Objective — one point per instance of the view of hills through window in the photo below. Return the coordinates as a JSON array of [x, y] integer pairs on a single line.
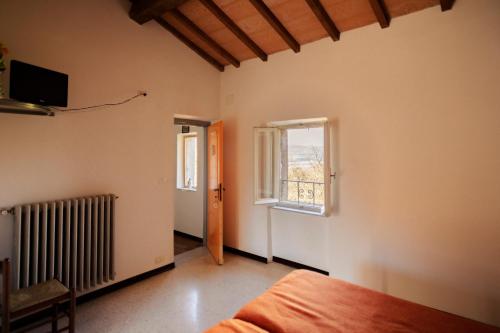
[[303, 159]]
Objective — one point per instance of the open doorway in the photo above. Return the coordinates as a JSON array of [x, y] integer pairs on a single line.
[[199, 187], [191, 185]]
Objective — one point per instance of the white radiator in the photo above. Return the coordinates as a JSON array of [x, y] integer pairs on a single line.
[[72, 240]]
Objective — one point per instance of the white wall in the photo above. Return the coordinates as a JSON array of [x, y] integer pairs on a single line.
[[128, 150], [190, 205], [416, 110]]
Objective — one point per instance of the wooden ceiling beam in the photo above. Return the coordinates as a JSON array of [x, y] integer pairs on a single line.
[[206, 38], [381, 13], [446, 4], [226, 20], [276, 24], [324, 18], [143, 11], [189, 43]]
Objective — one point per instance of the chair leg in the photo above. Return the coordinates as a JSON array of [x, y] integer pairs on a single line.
[[72, 310], [5, 265], [5, 322], [55, 314]]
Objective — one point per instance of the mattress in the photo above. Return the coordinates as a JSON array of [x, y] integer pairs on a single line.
[[305, 301]]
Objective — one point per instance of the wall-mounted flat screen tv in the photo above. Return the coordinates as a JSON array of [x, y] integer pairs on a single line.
[[37, 85]]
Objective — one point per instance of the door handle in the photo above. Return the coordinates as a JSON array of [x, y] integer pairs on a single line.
[[219, 191]]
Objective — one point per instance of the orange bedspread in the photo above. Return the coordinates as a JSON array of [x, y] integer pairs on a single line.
[[235, 326], [305, 301]]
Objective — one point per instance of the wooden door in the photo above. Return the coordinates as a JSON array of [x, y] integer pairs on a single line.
[[215, 191]]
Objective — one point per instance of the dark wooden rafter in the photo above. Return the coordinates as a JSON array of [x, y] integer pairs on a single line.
[[324, 18], [226, 20], [276, 24], [381, 12], [189, 43], [206, 38], [168, 14], [447, 4], [142, 11]]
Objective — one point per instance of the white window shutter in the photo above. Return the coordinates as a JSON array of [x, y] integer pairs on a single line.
[[266, 165], [328, 168]]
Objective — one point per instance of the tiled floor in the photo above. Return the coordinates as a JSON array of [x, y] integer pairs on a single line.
[[189, 299], [184, 244]]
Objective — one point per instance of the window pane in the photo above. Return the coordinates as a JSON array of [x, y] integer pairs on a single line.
[[190, 159], [302, 182]]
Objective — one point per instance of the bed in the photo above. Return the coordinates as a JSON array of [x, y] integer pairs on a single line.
[[305, 301]]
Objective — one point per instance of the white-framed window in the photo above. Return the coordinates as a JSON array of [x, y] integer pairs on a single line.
[[187, 161], [292, 165]]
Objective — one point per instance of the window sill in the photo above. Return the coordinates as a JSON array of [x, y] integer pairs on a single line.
[[186, 189], [266, 202], [300, 211]]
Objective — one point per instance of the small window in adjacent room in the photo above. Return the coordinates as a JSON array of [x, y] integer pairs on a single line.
[[187, 158], [292, 168]]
